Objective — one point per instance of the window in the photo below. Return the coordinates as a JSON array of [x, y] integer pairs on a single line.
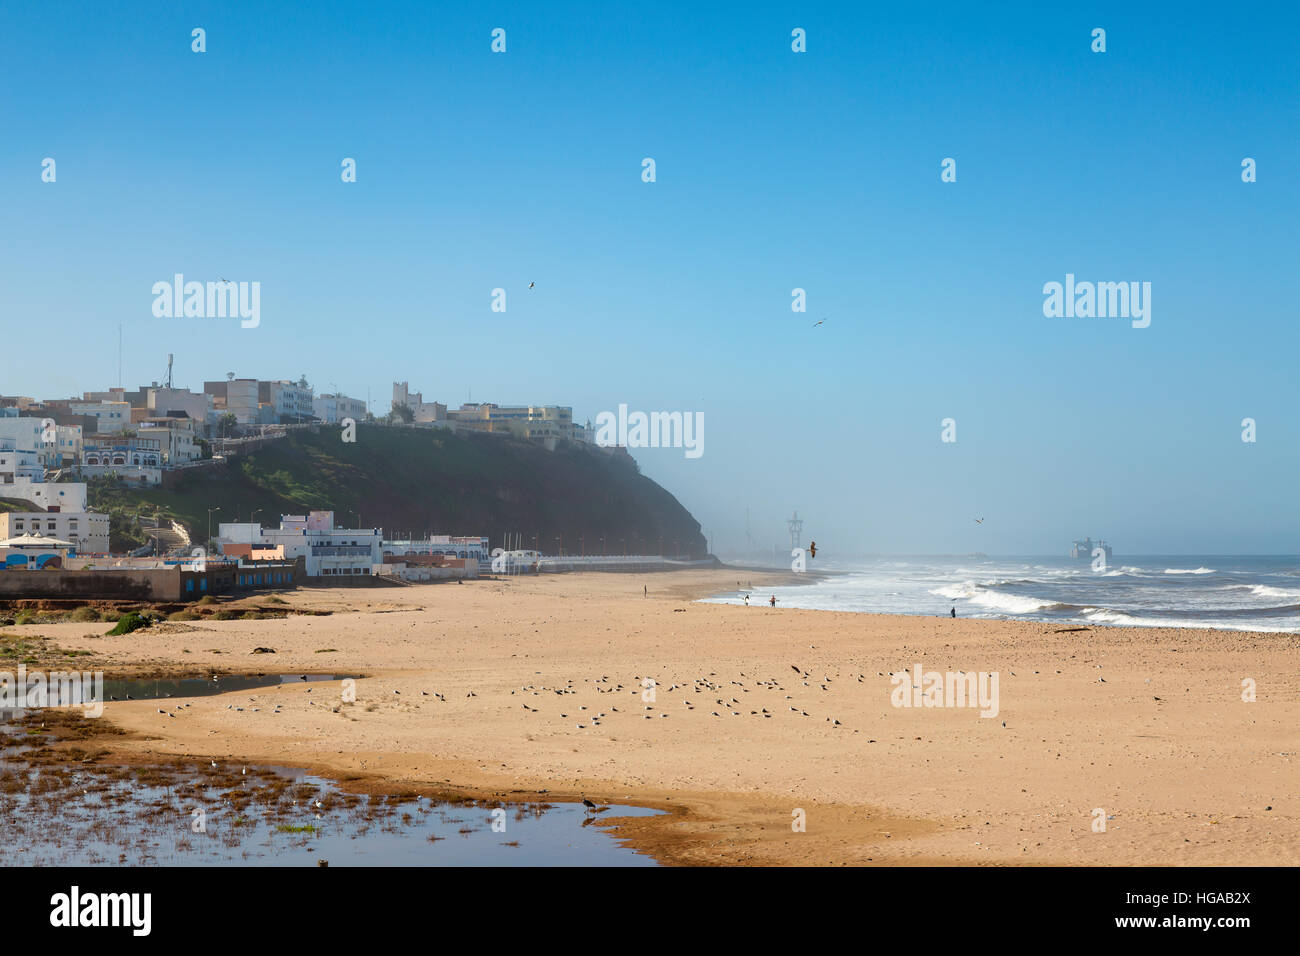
[[189, 585]]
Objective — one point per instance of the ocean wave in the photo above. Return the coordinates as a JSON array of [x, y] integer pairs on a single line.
[[1013, 603], [1008, 603], [1186, 571], [957, 591], [1263, 590]]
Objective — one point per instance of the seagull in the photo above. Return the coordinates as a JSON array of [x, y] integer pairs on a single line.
[[531, 284], [820, 322], [979, 520], [227, 282]]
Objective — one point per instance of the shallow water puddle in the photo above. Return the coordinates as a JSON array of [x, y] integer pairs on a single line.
[[206, 686], [201, 812]]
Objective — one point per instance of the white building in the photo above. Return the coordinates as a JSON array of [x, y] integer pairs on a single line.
[[448, 545], [87, 531], [136, 460], [334, 408], [110, 417], [22, 476], [291, 401], [327, 551], [18, 464]]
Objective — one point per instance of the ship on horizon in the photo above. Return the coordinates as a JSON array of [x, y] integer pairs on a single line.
[[1082, 550]]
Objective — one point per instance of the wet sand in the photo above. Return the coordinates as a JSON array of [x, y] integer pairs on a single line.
[[461, 689]]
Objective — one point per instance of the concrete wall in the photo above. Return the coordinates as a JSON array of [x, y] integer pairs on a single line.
[[162, 584], [170, 584]]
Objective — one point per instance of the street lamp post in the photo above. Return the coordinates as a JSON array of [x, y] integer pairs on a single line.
[[210, 512]]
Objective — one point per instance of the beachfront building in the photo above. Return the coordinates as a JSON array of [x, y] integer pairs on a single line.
[[67, 576], [440, 544], [332, 409], [85, 531], [32, 552], [327, 551]]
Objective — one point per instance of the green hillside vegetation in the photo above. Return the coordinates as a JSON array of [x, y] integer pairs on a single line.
[[412, 481]]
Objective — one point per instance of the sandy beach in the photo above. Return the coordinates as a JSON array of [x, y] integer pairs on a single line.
[[492, 688]]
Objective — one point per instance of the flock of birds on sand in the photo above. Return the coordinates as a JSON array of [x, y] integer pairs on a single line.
[[700, 693], [589, 717]]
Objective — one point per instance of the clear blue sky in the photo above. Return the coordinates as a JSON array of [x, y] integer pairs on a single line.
[[775, 170]]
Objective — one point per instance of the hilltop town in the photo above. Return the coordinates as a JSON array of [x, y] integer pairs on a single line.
[[58, 455]]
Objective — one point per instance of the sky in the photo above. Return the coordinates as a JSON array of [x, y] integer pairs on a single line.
[[774, 170]]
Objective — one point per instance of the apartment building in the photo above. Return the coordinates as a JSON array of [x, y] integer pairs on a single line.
[[291, 402], [539, 422], [327, 551], [110, 416], [87, 531], [235, 396], [334, 408]]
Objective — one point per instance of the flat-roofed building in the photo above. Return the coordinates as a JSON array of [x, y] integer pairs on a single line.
[[332, 409], [87, 531]]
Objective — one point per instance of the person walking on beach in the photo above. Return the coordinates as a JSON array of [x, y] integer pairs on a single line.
[[746, 600], [772, 601], [954, 612], [645, 590]]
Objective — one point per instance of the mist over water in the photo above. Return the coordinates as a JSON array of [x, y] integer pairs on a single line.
[[1232, 592]]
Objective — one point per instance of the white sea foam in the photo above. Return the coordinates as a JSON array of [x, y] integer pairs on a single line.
[[1263, 590], [1185, 571], [1011, 603]]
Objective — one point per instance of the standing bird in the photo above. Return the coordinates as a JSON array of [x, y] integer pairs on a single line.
[[588, 804]]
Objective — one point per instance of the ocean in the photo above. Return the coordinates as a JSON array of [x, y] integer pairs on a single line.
[[1231, 592]]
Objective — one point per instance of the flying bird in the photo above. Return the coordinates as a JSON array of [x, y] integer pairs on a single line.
[[531, 284], [979, 520], [818, 322], [812, 549]]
